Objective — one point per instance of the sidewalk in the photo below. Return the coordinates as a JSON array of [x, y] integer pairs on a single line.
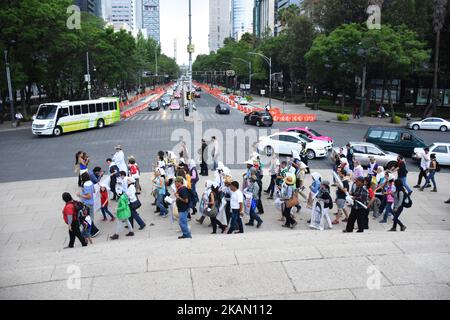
[[6, 126], [270, 262], [326, 116]]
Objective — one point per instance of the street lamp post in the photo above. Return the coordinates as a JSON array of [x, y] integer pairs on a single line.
[[269, 61], [11, 102], [230, 64], [88, 75]]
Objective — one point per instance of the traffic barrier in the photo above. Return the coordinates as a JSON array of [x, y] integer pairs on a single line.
[[131, 112]]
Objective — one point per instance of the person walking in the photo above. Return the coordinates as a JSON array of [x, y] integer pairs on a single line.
[[253, 189], [374, 202], [237, 208], [425, 161], [82, 161], [350, 153], [389, 197], [226, 190], [87, 197], [399, 197], [402, 172], [288, 196], [431, 173], [215, 152], [204, 157], [358, 211], [182, 201], [213, 206], [135, 173], [70, 218], [123, 214], [193, 174], [341, 196], [104, 196], [273, 171], [373, 167], [119, 159], [134, 203], [114, 172]]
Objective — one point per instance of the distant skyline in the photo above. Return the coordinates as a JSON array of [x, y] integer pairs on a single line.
[[175, 25]]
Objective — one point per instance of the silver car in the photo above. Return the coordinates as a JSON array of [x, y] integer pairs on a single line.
[[430, 124], [364, 150]]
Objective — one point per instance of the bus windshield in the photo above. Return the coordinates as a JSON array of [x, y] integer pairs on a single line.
[[47, 112]]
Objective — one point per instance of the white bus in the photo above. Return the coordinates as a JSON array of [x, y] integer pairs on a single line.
[[68, 116]]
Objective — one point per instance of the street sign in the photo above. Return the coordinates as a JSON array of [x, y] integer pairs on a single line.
[[231, 73], [245, 86], [263, 92], [190, 48], [87, 78]]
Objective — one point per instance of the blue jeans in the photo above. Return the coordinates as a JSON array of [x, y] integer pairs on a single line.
[[254, 216], [389, 210], [160, 204], [431, 178], [405, 184], [135, 216], [194, 191], [396, 218], [105, 211], [236, 218], [183, 222]]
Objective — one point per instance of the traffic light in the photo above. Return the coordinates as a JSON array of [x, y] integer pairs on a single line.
[[188, 96]]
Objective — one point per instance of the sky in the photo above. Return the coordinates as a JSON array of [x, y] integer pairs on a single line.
[[175, 25]]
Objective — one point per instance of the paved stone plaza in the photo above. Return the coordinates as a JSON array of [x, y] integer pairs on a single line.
[[268, 263]]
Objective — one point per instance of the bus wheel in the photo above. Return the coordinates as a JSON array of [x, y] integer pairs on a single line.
[[100, 124], [57, 131]]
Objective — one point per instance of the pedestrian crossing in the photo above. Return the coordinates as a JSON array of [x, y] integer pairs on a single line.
[[171, 116]]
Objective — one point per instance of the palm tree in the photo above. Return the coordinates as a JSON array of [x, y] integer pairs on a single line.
[[438, 23]]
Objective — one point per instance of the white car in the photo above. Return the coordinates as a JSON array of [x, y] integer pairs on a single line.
[[285, 142], [430, 124], [442, 151], [326, 144], [175, 105]]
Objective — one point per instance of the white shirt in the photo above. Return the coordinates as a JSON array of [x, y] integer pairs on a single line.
[[119, 159], [131, 193], [425, 161], [236, 198]]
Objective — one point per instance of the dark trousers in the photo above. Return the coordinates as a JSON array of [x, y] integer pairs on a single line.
[[228, 211], [112, 185], [422, 174], [356, 215], [254, 216], [259, 204], [396, 218], [76, 233], [105, 211], [271, 187], [287, 215], [215, 223], [135, 216], [203, 168], [236, 219]]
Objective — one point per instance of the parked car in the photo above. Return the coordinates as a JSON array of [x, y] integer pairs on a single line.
[[327, 145], [259, 118], [430, 124], [243, 102], [285, 142], [223, 108], [197, 94], [177, 95], [442, 151], [166, 100], [310, 133], [175, 105], [364, 150], [153, 106], [198, 89], [393, 139]]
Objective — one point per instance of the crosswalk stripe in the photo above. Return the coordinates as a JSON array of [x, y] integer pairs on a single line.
[[151, 117]]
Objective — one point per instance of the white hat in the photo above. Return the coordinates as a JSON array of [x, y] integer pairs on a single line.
[[277, 162], [131, 180], [209, 184], [192, 163], [181, 160], [220, 166], [226, 171], [250, 162]]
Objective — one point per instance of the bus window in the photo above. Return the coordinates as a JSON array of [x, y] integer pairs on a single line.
[[98, 107], [112, 106], [63, 112], [85, 109], [76, 110], [71, 110], [92, 108], [105, 106]]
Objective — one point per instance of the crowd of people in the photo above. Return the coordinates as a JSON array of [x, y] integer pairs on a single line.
[[226, 202]]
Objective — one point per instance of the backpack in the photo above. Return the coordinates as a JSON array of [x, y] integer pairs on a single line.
[[438, 167], [407, 202], [81, 210], [191, 197]]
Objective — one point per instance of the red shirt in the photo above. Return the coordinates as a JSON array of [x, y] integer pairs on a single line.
[[134, 169], [69, 210], [371, 193], [104, 197]]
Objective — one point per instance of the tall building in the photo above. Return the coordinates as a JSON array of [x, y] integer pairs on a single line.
[[264, 17], [241, 17], [90, 6], [151, 19], [219, 23], [120, 14], [282, 4]]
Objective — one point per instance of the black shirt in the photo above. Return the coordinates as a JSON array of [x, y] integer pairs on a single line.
[[184, 194], [341, 194], [402, 172]]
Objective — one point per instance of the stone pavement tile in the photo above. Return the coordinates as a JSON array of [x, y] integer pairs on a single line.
[[53, 290], [424, 246], [42, 234], [42, 246], [271, 254], [17, 276], [94, 268], [162, 285], [344, 294], [240, 281], [437, 263], [191, 260], [19, 226], [329, 274], [4, 238], [16, 209], [406, 292], [357, 249], [441, 226], [401, 270]]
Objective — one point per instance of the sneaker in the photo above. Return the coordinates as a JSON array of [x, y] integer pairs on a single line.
[[293, 225], [96, 234], [104, 219], [448, 201], [259, 225], [383, 221], [335, 222], [143, 227], [249, 224], [392, 230], [434, 190], [114, 237], [183, 237], [130, 234], [403, 228], [428, 186], [285, 226], [410, 193], [345, 231], [113, 219], [360, 231], [416, 187], [309, 221]]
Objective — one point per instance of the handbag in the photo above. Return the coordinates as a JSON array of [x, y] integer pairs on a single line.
[[292, 202], [212, 213], [136, 204]]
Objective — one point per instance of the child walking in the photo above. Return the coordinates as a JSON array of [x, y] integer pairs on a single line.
[[104, 195], [86, 223]]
